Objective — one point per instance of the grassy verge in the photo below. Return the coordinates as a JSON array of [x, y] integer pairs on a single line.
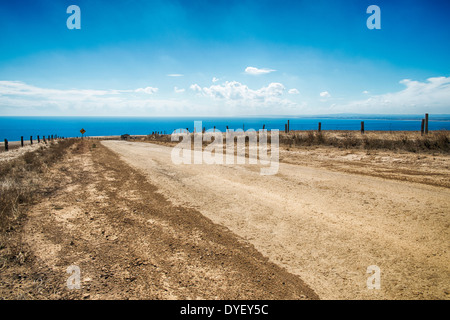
[[395, 141], [435, 141], [21, 184]]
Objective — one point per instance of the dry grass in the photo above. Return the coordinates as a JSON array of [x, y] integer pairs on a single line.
[[395, 141], [435, 141], [20, 184]]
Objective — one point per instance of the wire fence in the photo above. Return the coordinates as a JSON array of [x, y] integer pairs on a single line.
[[332, 125], [8, 145]]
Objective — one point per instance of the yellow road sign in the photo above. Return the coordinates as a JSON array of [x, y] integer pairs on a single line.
[[82, 131]]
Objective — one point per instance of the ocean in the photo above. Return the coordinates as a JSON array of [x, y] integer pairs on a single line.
[[12, 128]]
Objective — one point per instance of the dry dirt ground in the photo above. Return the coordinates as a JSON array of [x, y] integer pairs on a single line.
[[424, 168], [130, 242], [16, 151], [326, 216]]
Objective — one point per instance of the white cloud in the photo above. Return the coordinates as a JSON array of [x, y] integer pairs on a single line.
[[256, 71], [365, 92], [240, 99], [432, 95], [22, 89], [293, 91], [178, 90], [148, 90], [174, 75], [16, 96], [325, 94], [195, 87], [233, 90], [21, 98], [214, 79]]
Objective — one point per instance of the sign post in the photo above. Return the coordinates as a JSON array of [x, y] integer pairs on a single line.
[[82, 132]]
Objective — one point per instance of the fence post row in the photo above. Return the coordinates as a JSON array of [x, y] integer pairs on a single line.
[[31, 140], [423, 130]]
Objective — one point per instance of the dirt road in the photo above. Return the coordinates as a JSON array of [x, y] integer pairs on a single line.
[[129, 242], [325, 226]]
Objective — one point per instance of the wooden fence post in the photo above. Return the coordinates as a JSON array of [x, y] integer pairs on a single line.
[[288, 127], [21, 141], [31, 140], [6, 145], [264, 126], [426, 123], [320, 127], [422, 126], [39, 140], [285, 128], [362, 127]]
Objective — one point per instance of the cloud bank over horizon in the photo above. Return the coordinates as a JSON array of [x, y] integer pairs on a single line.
[[227, 98], [185, 58], [432, 95]]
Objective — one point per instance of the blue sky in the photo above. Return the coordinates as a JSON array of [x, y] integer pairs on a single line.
[[194, 58]]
